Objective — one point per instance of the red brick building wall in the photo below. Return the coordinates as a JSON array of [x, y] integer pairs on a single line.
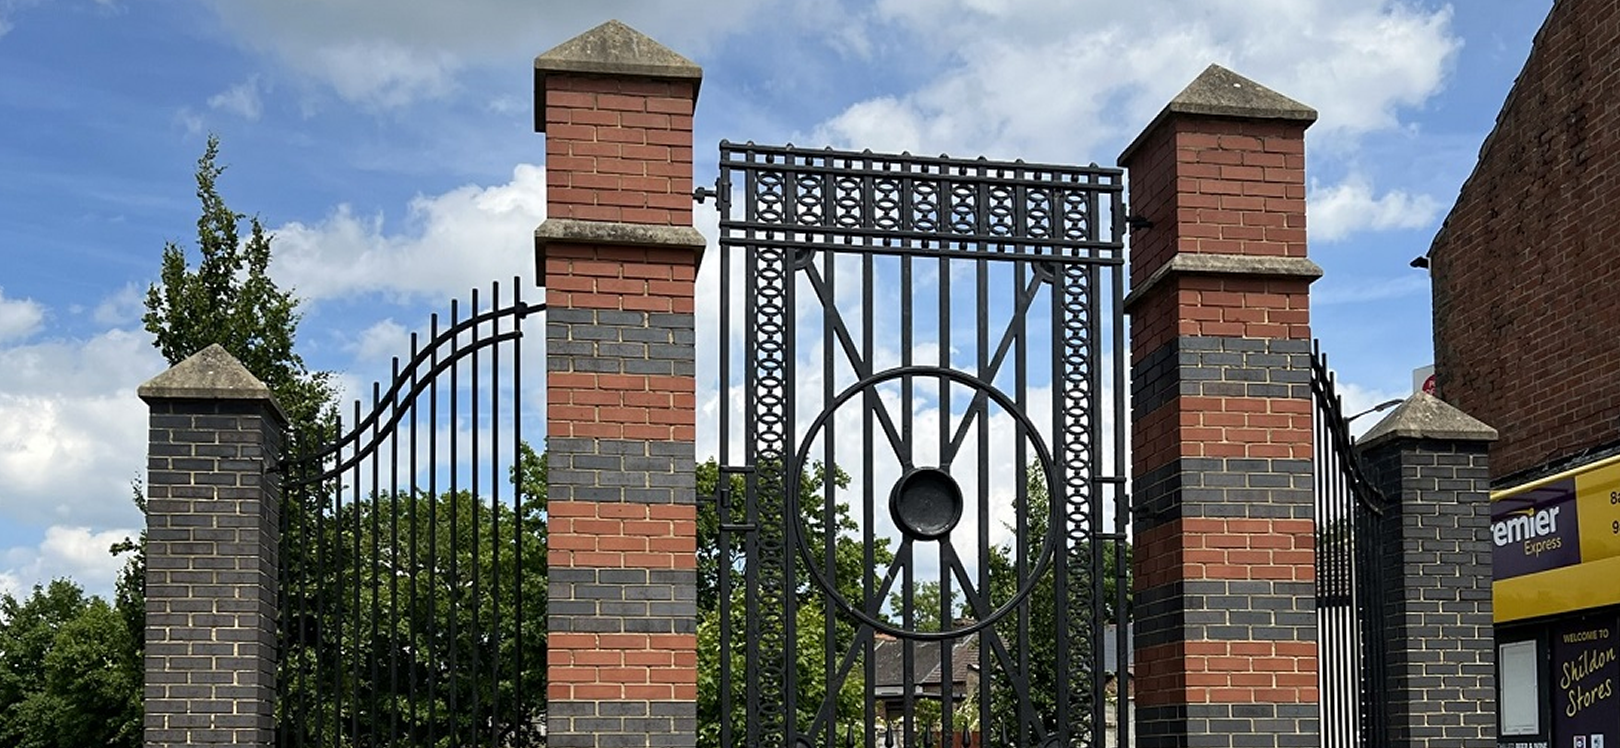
[[1526, 269]]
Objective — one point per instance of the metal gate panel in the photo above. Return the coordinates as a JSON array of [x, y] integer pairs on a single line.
[[921, 380]]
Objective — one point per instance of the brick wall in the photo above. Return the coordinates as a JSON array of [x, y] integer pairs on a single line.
[[1524, 268], [619, 261], [1221, 412], [619, 149]]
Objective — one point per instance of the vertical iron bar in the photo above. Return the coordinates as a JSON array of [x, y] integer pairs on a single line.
[[495, 520], [375, 567], [871, 598], [1021, 559], [432, 603], [332, 611], [519, 520], [454, 588], [475, 633], [354, 568], [415, 515], [829, 486], [986, 598], [1122, 614], [393, 570]]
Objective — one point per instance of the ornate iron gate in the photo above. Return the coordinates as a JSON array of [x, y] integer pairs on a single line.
[[413, 554], [922, 508]]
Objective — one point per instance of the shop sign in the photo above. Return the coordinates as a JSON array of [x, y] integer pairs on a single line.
[[1585, 705], [1550, 525]]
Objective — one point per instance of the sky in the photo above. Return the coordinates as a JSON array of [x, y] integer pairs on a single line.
[[392, 154]]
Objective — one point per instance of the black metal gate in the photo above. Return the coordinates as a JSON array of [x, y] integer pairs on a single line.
[[921, 513], [413, 553], [1351, 625]]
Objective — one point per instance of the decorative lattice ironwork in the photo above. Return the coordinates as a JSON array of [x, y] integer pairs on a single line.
[[926, 206]]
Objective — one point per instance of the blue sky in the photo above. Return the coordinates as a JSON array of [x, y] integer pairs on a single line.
[[392, 154]]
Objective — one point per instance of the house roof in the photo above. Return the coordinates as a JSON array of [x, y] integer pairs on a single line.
[[889, 654]]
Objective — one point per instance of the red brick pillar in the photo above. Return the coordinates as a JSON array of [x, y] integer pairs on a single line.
[[618, 257], [1225, 629]]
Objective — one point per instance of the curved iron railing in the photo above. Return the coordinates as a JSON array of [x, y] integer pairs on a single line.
[[412, 542]]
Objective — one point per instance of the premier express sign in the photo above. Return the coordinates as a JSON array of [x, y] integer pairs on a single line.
[[1549, 535]]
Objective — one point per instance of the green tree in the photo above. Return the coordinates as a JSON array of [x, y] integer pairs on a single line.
[[69, 674], [424, 610], [229, 298]]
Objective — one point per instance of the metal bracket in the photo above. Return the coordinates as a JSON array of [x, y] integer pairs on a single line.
[[702, 194], [722, 496]]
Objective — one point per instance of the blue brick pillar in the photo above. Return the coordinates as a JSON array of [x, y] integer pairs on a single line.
[[212, 540], [1434, 545]]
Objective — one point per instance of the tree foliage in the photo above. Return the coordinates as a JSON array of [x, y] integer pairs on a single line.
[[1038, 614], [434, 629], [229, 298], [70, 675]]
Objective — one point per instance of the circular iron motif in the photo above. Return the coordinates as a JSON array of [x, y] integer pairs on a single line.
[[925, 504]]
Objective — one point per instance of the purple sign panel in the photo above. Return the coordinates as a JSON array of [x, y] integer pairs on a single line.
[[1585, 675], [1535, 531]]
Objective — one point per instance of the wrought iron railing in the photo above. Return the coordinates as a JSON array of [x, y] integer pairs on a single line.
[[1349, 582], [413, 553]]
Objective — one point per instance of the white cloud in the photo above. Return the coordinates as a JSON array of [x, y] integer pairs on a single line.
[[72, 431], [1054, 80], [1336, 212], [456, 241], [382, 340], [191, 121], [19, 318], [241, 100], [78, 553], [384, 74], [415, 50], [123, 307]]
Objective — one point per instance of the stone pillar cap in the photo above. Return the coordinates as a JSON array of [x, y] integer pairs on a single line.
[[612, 49], [1218, 92], [209, 374], [1424, 416]]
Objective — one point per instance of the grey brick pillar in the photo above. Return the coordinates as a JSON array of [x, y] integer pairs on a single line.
[[1431, 460], [212, 536]]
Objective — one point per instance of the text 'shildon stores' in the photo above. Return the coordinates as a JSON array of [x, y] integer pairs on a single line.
[[1527, 340]]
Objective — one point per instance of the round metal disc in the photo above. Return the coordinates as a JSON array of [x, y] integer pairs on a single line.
[[926, 503]]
